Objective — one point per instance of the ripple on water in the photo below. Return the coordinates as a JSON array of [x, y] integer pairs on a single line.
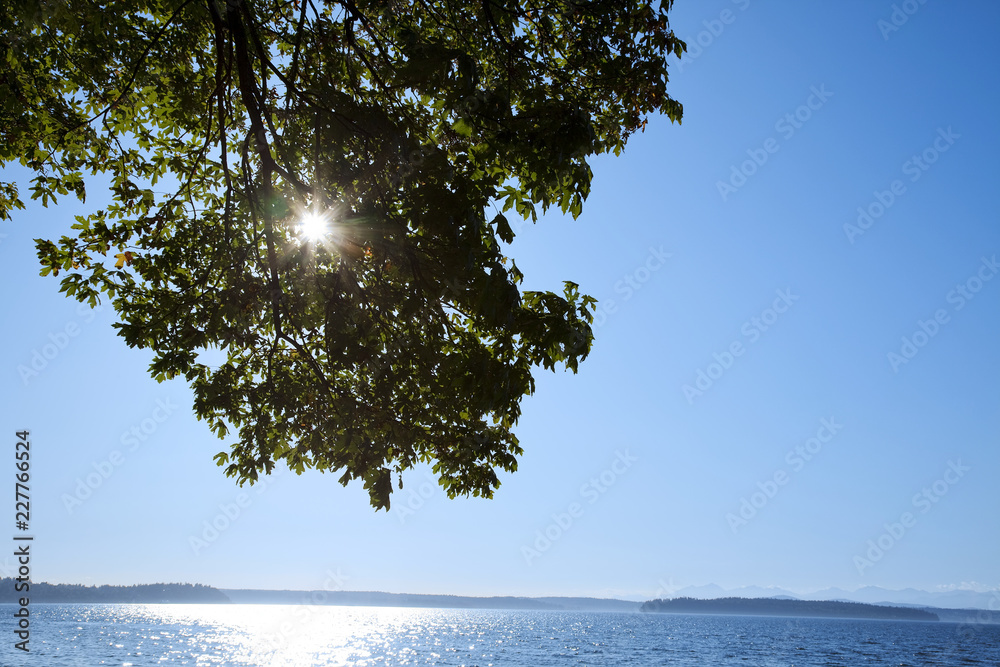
[[302, 636]]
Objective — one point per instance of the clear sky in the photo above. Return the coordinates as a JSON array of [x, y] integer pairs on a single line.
[[750, 415]]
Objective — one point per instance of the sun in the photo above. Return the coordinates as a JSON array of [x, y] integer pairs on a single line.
[[313, 227]]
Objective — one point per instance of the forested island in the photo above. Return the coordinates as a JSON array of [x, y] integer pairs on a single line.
[[786, 607], [138, 594]]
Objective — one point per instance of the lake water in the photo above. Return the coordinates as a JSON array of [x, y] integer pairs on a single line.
[[302, 636]]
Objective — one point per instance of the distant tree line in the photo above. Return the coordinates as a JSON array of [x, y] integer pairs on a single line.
[[782, 607], [142, 593]]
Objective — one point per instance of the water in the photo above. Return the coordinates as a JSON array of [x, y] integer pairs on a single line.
[[303, 636]]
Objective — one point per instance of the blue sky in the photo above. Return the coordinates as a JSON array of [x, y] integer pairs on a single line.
[[802, 454]]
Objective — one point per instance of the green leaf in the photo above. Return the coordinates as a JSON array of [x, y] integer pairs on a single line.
[[504, 231], [463, 127]]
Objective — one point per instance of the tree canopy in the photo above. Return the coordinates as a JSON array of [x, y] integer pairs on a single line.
[[316, 192]]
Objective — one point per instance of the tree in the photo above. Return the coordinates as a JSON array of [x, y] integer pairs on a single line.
[[307, 205]]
